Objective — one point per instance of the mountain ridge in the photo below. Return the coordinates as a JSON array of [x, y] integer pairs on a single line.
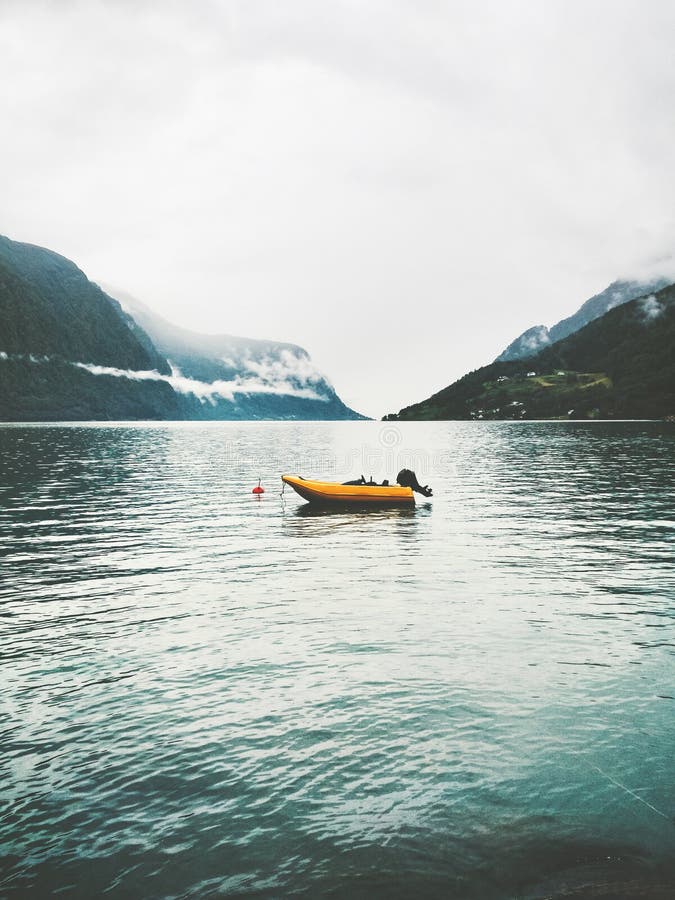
[[69, 351], [619, 365], [617, 293], [49, 307], [246, 364]]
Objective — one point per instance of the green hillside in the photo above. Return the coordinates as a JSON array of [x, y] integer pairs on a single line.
[[48, 307], [535, 339], [621, 365], [52, 316], [58, 391]]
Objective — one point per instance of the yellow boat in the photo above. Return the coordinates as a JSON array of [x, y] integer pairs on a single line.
[[327, 492]]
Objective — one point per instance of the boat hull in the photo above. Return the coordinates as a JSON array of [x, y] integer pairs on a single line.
[[329, 492]]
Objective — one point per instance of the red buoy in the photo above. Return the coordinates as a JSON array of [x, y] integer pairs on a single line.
[[258, 490]]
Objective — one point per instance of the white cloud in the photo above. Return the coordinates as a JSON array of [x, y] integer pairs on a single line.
[[285, 367], [537, 340], [650, 308], [203, 390], [208, 390]]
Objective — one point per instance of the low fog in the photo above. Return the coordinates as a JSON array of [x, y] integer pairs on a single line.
[[276, 377]]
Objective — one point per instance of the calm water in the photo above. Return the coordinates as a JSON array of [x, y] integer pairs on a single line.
[[208, 695]]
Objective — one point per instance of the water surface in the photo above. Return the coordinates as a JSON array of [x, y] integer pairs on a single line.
[[204, 694]]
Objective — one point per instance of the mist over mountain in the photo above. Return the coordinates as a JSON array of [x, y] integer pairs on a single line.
[[620, 365], [535, 339], [69, 351], [263, 378]]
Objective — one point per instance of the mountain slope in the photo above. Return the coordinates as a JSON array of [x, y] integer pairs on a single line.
[[68, 351], [537, 338], [621, 365], [251, 378], [48, 307], [53, 320]]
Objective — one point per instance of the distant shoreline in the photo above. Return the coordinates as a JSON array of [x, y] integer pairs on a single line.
[[215, 422]]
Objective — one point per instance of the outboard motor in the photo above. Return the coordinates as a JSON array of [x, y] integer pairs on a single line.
[[407, 478]]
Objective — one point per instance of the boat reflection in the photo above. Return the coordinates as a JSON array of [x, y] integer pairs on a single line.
[[342, 510]]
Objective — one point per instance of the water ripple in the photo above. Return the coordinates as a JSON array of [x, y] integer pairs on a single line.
[[206, 694]]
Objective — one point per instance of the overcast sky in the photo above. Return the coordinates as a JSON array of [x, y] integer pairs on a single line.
[[400, 187]]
